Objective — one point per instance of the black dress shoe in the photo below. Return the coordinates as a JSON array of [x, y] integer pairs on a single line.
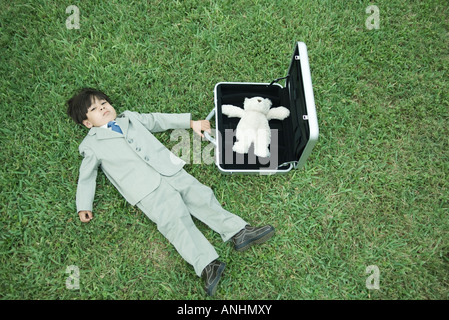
[[211, 275], [252, 235]]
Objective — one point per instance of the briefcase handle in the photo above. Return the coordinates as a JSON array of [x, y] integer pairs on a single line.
[[206, 134]]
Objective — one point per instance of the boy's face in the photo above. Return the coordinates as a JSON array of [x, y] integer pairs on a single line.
[[99, 113]]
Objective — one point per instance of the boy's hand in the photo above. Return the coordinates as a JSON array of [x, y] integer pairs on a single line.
[[85, 216], [200, 125]]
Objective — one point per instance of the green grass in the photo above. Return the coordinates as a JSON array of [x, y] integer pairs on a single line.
[[374, 191]]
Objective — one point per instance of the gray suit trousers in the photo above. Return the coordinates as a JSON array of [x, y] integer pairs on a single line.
[[171, 205]]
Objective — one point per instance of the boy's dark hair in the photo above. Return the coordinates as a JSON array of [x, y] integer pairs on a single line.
[[80, 103]]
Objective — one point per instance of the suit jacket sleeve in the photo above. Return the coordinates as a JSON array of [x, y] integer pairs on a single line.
[[158, 122], [87, 180]]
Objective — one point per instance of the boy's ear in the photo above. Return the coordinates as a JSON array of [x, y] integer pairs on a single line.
[[87, 124]]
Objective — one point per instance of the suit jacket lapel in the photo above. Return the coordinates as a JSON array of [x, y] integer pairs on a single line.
[[103, 133]]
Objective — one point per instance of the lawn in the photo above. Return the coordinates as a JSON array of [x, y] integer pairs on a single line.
[[374, 191]]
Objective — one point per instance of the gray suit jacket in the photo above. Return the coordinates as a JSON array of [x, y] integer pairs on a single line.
[[132, 161]]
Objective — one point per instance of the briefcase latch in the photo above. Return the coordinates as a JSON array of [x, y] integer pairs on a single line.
[[291, 164]]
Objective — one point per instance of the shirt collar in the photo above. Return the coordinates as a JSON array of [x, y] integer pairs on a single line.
[[106, 125]]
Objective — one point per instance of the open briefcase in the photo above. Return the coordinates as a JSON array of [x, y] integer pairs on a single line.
[[292, 139]]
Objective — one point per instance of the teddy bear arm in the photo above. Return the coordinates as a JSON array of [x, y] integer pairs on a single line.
[[279, 113], [232, 111]]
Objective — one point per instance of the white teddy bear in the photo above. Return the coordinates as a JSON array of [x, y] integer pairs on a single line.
[[253, 126]]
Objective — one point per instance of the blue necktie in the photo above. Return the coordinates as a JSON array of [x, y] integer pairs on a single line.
[[114, 126]]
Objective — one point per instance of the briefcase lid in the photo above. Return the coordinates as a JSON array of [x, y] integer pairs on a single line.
[[302, 104]]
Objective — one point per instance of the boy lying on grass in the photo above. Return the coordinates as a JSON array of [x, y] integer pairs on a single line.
[[148, 175]]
